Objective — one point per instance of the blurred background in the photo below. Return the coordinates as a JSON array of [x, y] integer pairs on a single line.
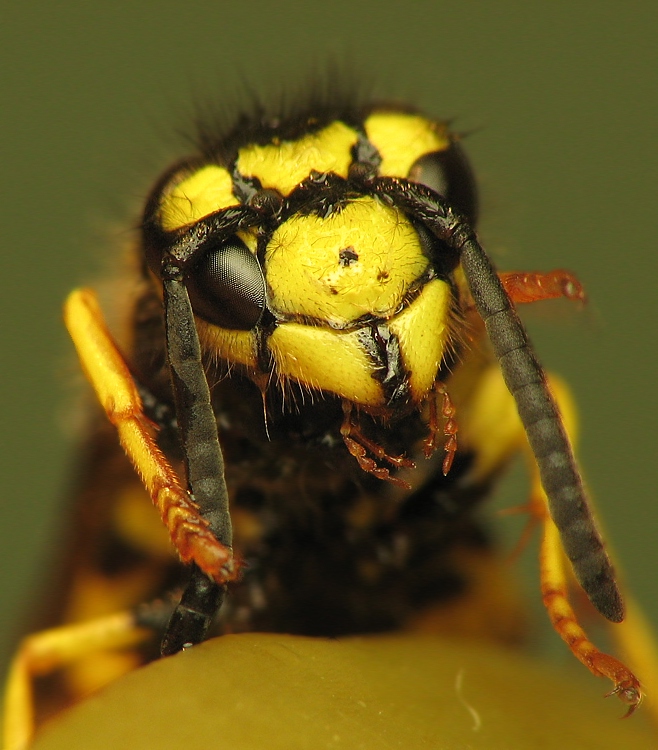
[[560, 102]]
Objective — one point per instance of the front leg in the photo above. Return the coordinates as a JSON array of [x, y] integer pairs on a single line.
[[491, 427]]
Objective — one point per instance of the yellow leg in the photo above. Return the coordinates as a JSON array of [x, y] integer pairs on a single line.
[[118, 395], [44, 652], [491, 411], [637, 642], [554, 594], [555, 578]]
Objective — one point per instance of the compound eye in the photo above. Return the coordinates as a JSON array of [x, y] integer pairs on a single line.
[[227, 286], [448, 173]]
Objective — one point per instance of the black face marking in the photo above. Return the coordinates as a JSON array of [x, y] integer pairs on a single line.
[[383, 348], [347, 256], [245, 188], [268, 202], [366, 160]]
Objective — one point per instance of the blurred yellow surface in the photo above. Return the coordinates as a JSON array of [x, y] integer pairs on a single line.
[[276, 691]]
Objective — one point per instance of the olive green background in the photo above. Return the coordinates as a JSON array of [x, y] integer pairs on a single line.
[[560, 99]]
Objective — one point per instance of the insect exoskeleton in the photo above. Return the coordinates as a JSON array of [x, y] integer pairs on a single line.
[[313, 298]]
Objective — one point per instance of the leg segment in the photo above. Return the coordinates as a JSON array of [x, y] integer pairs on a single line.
[[116, 390], [450, 426], [359, 445], [554, 594], [43, 653], [532, 286], [491, 427]]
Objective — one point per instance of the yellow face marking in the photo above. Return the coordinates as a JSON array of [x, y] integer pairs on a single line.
[[360, 260], [322, 359], [402, 139], [283, 165], [422, 330], [232, 346], [205, 191]]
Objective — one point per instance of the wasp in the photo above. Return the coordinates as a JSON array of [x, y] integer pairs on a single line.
[[320, 376]]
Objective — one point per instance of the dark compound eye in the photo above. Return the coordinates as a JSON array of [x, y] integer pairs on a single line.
[[227, 286], [449, 174]]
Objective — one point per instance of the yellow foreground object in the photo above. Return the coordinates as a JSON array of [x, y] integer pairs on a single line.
[[248, 692]]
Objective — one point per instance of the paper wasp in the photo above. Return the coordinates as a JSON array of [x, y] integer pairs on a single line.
[[311, 295]]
